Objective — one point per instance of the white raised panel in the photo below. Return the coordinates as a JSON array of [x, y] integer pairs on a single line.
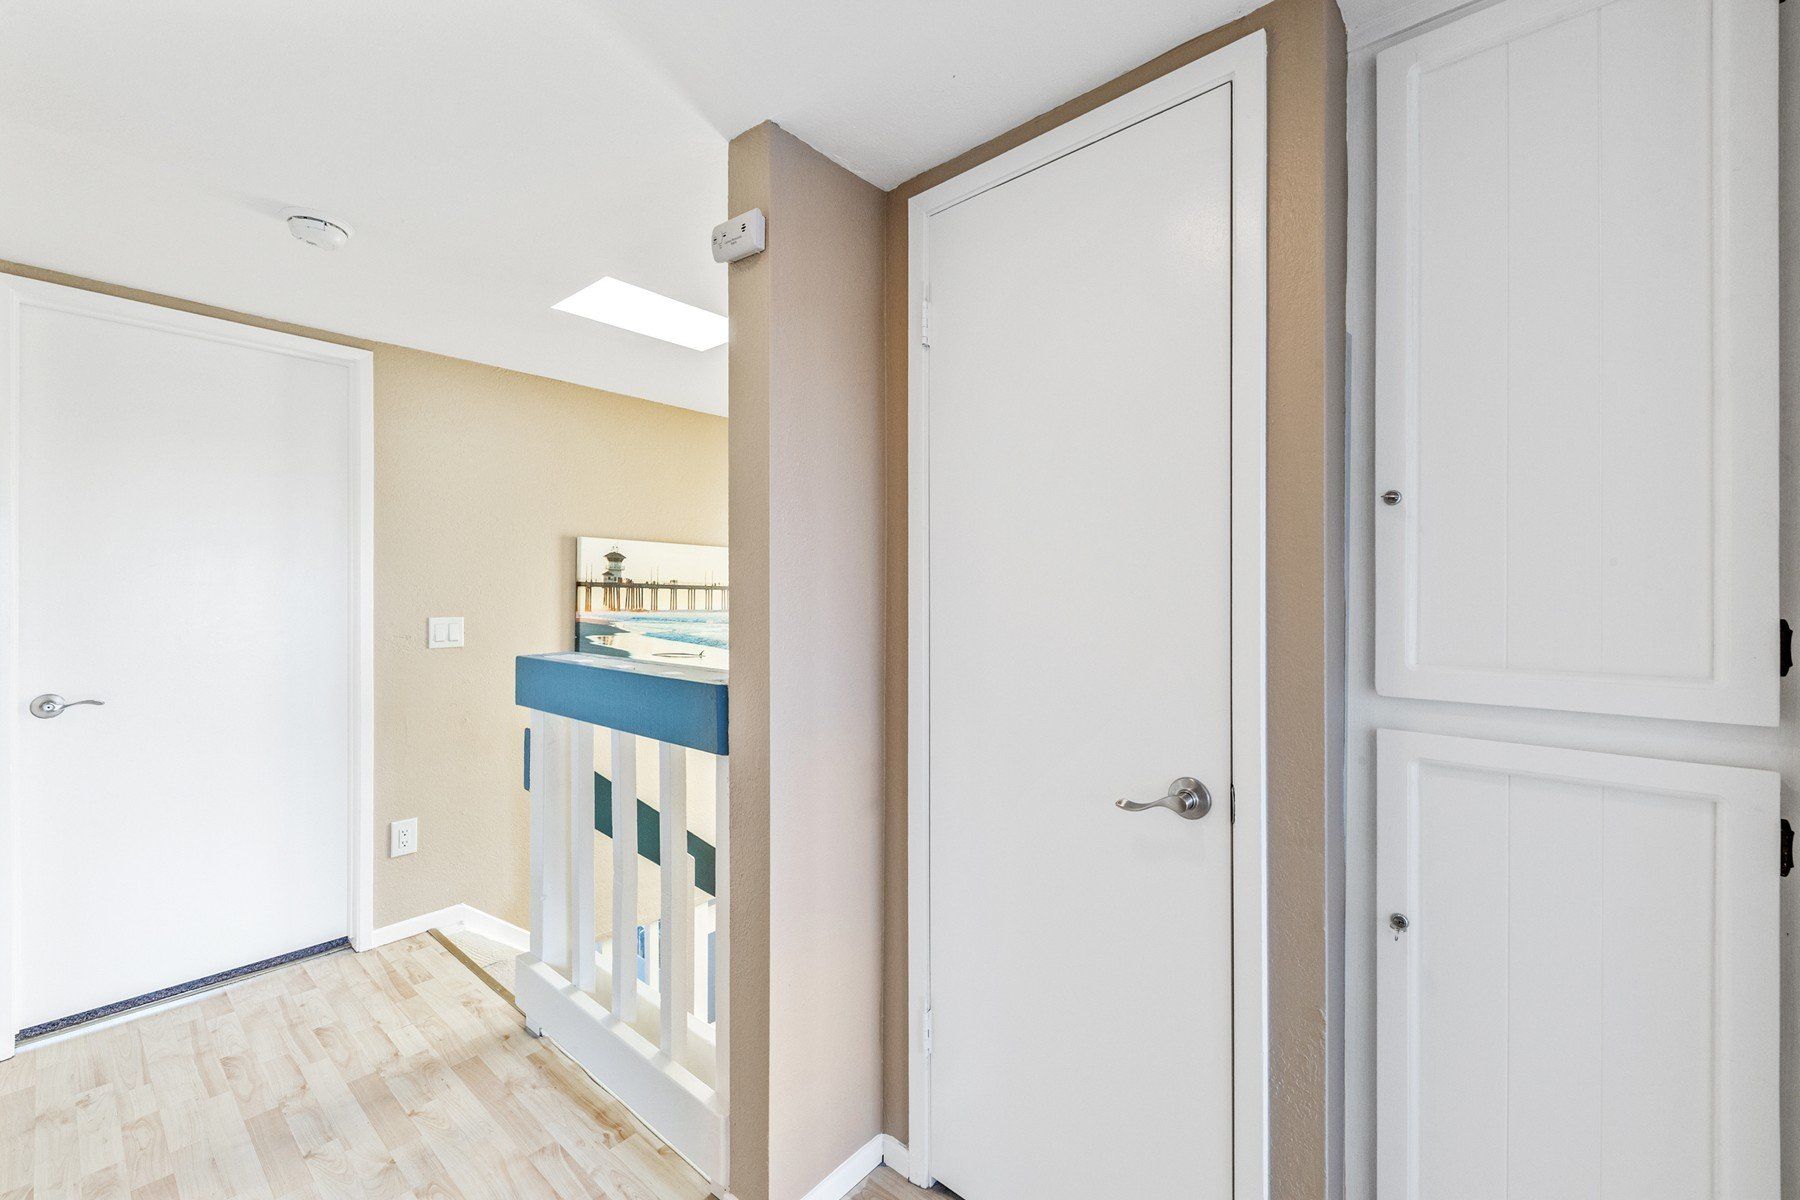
[[1576, 359], [1583, 1002]]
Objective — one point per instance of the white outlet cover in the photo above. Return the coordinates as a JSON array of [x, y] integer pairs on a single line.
[[403, 837]]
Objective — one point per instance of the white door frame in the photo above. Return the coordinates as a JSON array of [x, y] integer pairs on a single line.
[[1243, 65], [17, 294]]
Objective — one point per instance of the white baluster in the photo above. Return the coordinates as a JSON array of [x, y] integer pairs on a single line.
[[580, 850], [540, 738], [625, 884], [550, 736], [676, 970], [722, 933]]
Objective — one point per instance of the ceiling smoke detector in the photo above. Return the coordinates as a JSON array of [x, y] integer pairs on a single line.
[[314, 229]]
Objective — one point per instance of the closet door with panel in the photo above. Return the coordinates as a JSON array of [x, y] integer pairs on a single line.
[[1576, 359], [1576, 510]]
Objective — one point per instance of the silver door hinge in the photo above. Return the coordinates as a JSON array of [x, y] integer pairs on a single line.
[[1234, 804], [924, 322], [926, 1036]]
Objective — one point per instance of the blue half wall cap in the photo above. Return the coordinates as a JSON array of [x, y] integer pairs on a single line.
[[675, 703]]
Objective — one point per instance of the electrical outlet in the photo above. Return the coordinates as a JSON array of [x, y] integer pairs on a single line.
[[403, 837]]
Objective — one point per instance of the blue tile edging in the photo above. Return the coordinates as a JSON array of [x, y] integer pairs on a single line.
[[681, 705]]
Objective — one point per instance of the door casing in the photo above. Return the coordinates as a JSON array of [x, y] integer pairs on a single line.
[[18, 293], [1243, 66]]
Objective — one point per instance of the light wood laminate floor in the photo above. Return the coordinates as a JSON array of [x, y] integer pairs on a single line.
[[884, 1184], [390, 1074], [380, 1076]]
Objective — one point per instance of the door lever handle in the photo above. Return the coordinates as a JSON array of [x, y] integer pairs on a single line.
[[1187, 798], [51, 705]]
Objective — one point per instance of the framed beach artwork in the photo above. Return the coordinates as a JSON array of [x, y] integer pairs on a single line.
[[656, 601]]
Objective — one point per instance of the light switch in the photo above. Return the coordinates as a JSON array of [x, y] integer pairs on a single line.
[[443, 633]]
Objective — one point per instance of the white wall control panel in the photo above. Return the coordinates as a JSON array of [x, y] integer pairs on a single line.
[[403, 837], [739, 237], [443, 633]]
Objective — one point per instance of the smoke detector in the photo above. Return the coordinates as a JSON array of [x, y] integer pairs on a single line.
[[314, 229]]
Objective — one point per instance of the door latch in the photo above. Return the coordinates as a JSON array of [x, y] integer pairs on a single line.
[[1787, 647], [1787, 847]]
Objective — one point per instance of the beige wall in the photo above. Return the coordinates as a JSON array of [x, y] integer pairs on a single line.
[[806, 692], [483, 478], [1306, 228]]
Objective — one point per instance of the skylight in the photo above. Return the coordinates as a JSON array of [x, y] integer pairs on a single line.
[[615, 302]]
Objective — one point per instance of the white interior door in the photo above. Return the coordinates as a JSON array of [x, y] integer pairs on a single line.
[[188, 527], [1077, 591], [1580, 1000], [1576, 360]]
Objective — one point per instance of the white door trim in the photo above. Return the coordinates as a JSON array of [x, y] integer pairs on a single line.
[[17, 294], [1243, 65]]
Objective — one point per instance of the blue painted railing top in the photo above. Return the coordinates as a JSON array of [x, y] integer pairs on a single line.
[[671, 702]]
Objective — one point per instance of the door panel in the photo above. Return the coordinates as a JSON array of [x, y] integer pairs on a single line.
[[1576, 359], [186, 546], [1080, 652], [1583, 1000]]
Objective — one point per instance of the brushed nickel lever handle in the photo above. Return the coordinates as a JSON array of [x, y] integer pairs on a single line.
[[1187, 798], [51, 705]]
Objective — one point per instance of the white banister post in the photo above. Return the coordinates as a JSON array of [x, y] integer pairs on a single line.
[[722, 936], [676, 970], [625, 884], [549, 839], [579, 920]]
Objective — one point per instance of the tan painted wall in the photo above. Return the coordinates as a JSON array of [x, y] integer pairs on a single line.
[[1306, 229], [483, 479], [806, 703]]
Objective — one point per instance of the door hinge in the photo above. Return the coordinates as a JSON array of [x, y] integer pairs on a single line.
[[1234, 804], [924, 322], [1787, 647], [925, 1036], [1787, 847]]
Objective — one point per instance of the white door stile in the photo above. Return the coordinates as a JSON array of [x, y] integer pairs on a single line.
[[1242, 65], [9, 659], [675, 970], [583, 968], [624, 876]]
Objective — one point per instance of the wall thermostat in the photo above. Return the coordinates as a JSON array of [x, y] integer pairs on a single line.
[[739, 237]]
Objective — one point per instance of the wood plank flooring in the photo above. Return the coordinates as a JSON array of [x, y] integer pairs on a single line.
[[377, 1076], [392, 1075], [884, 1184]]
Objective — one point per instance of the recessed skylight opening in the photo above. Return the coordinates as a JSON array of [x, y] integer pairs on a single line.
[[615, 302]]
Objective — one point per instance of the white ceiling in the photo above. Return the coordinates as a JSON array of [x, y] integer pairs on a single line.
[[890, 88], [494, 157]]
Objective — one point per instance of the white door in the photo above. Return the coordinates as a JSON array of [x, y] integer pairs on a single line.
[[1078, 617], [1576, 360], [1578, 977], [188, 530]]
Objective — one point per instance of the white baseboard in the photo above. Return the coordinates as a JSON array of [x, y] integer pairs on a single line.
[[494, 929], [456, 916], [893, 1153], [443, 918], [843, 1181]]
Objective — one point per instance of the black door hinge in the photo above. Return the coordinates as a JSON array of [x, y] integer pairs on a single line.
[[1787, 647], [1787, 847]]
